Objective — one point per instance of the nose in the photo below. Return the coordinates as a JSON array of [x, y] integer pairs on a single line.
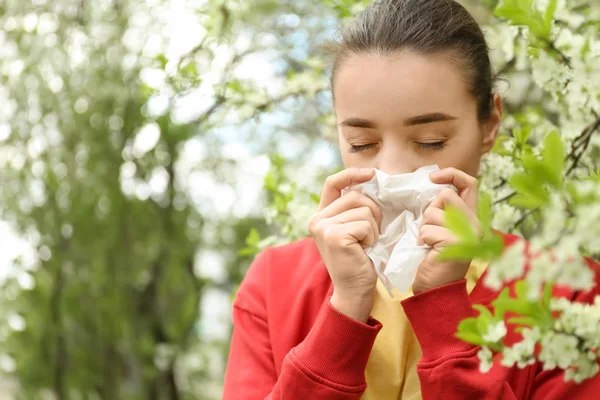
[[396, 160]]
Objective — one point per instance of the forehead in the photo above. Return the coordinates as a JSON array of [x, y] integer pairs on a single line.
[[407, 84]]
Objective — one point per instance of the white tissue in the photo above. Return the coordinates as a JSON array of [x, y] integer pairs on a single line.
[[403, 199]]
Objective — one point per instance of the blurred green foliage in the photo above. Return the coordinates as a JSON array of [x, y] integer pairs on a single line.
[[118, 137]]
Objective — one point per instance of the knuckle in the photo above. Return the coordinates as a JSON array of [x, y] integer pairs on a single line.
[[351, 196], [327, 232], [366, 212], [330, 180], [321, 228], [447, 194], [312, 224], [428, 214]]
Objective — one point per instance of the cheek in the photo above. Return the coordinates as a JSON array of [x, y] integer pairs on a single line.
[[464, 154], [352, 160]]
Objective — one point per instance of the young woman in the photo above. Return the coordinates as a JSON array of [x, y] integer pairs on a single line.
[[412, 86]]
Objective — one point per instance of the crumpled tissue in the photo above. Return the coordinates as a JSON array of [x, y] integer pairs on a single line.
[[403, 198]]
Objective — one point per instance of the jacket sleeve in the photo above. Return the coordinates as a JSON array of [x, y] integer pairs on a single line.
[[328, 364], [449, 367]]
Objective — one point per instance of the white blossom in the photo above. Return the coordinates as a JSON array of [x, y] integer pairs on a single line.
[[505, 217], [495, 332], [521, 353], [508, 267], [485, 359], [558, 349], [584, 368]]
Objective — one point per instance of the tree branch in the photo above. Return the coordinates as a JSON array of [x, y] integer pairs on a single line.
[[511, 63], [507, 197], [524, 216], [581, 143]]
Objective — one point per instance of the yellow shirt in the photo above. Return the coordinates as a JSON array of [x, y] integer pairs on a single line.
[[391, 371]]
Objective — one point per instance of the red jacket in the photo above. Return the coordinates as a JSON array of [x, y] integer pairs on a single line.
[[290, 343]]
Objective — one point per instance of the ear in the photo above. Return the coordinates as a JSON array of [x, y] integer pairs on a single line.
[[491, 126]]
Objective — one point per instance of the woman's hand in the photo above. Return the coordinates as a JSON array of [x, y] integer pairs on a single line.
[[342, 229], [432, 273]]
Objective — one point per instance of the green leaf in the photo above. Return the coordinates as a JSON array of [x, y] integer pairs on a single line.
[[484, 211], [547, 293], [484, 312], [522, 134], [469, 337], [491, 246], [525, 201], [162, 59], [587, 47], [518, 306], [530, 186], [487, 248], [540, 171], [521, 288], [315, 198], [280, 202], [459, 252], [236, 86], [529, 321], [482, 325], [523, 12], [247, 251], [553, 155], [522, 183], [459, 224], [549, 14], [270, 182], [253, 238], [190, 70], [499, 145], [468, 325], [498, 303]]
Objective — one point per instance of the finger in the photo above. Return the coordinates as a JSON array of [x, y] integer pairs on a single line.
[[349, 201], [433, 216], [361, 231], [463, 182], [332, 190], [357, 214], [435, 236], [448, 197], [350, 233]]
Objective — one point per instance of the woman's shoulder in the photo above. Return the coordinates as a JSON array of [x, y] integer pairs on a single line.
[[294, 262], [282, 272], [303, 252]]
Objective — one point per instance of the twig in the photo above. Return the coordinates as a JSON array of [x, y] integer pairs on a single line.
[[524, 216], [502, 183], [507, 197], [511, 63], [262, 107], [581, 143], [563, 57]]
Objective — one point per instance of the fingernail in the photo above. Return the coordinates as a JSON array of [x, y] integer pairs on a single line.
[[436, 173]]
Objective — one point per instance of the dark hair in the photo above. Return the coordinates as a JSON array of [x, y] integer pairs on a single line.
[[438, 27]]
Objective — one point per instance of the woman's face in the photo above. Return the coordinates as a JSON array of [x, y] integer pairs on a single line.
[[399, 113]]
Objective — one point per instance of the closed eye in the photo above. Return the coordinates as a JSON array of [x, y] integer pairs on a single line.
[[362, 147], [433, 146]]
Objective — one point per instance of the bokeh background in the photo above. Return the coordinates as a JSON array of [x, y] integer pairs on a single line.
[[148, 150]]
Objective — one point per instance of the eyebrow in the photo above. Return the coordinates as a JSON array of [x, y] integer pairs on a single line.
[[416, 120], [428, 118], [357, 123]]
